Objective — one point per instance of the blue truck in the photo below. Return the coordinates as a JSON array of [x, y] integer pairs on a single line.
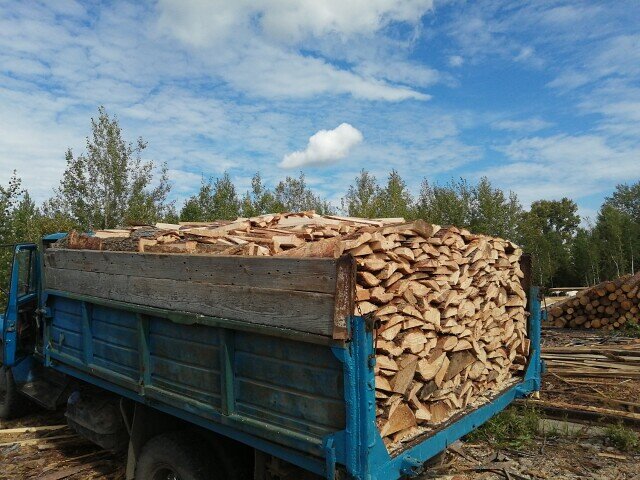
[[208, 367]]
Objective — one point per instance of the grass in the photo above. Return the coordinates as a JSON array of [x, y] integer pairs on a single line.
[[518, 427], [632, 329], [623, 438], [513, 428]]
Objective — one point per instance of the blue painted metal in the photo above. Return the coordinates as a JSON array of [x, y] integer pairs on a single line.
[[292, 396], [15, 301], [230, 429], [53, 237], [287, 392], [330, 459]]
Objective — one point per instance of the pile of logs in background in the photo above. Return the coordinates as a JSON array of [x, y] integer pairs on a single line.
[[450, 303], [608, 305]]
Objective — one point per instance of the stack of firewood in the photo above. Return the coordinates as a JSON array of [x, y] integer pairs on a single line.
[[450, 304], [608, 305], [453, 325]]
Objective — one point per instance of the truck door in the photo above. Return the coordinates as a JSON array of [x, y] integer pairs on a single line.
[[19, 330]]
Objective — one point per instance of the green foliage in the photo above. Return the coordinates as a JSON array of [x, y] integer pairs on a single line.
[[513, 428], [559, 217], [619, 234], [394, 200], [585, 258], [214, 201], [21, 221], [547, 231], [632, 328], [449, 204], [369, 200], [9, 200], [259, 201], [493, 212], [109, 184], [480, 208], [293, 194], [622, 437], [362, 199], [626, 198]]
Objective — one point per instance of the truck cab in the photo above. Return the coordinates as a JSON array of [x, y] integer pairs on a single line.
[[19, 325]]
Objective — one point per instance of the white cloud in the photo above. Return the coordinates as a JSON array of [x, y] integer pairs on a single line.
[[325, 147], [398, 71], [272, 72], [525, 125], [576, 166], [205, 22], [284, 48], [569, 79], [455, 61]]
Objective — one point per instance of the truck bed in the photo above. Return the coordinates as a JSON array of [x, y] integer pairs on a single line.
[[265, 351], [277, 387]]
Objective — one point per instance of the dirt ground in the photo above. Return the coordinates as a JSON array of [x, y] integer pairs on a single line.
[[564, 457], [53, 454], [559, 455], [560, 451]]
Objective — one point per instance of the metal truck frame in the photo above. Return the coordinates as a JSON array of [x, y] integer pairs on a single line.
[[306, 398]]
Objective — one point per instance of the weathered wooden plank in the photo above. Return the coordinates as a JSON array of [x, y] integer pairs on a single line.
[[304, 274], [345, 293], [298, 310]]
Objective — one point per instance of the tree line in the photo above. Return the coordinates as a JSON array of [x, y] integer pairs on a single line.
[[110, 185]]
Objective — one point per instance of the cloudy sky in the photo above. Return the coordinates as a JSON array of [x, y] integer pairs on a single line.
[[542, 96]]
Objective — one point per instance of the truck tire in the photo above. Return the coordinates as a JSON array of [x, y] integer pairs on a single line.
[[12, 404], [178, 456]]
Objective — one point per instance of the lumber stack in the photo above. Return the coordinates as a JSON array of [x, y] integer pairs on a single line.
[[607, 361], [450, 303], [608, 305]]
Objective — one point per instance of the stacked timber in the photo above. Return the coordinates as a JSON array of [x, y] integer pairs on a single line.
[[608, 305], [605, 361], [449, 303]]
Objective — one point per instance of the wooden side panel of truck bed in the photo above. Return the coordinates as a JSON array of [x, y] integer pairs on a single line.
[[303, 294]]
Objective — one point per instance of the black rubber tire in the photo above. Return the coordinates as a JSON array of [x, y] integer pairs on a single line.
[[12, 404], [182, 453]]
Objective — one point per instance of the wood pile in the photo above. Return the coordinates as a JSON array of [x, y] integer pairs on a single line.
[[591, 375], [606, 361], [608, 305], [450, 304]]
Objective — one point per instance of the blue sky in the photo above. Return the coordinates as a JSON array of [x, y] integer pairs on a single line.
[[542, 97]]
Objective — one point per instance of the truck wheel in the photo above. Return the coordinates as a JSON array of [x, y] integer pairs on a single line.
[[12, 404], [177, 456]]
